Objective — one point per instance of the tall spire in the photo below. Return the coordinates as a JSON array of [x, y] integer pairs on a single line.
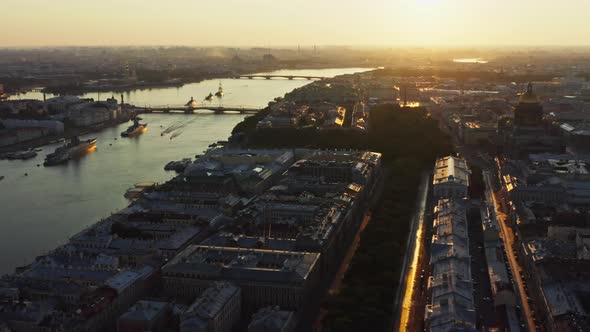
[[529, 97]]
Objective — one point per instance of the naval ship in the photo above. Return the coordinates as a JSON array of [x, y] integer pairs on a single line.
[[219, 92], [135, 129], [65, 152]]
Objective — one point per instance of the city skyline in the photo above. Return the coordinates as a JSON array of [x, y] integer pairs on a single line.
[[326, 166], [268, 23]]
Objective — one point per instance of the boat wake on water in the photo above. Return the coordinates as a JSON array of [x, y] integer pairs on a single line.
[[175, 129], [176, 134]]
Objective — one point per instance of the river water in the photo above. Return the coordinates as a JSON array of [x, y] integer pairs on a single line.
[[41, 210]]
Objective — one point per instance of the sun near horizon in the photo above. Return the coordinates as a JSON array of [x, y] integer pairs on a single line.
[[271, 23]]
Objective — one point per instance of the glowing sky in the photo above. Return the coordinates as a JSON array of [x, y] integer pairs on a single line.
[[292, 22]]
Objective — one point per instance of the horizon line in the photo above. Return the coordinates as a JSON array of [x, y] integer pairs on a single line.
[[290, 46]]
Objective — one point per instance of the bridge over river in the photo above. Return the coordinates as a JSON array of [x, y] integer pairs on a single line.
[[290, 77], [176, 109]]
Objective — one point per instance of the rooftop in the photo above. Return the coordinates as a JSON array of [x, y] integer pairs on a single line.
[[121, 281], [236, 263], [144, 311], [451, 169], [211, 301], [450, 286], [271, 319]]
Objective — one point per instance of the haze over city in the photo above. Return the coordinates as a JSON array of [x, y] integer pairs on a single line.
[[301, 22], [294, 166]]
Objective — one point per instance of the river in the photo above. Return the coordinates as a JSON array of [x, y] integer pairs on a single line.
[[41, 210]]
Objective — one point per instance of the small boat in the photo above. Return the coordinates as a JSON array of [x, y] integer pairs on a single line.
[[26, 155], [1, 177], [57, 158], [219, 92], [61, 155], [210, 96], [136, 191], [22, 155]]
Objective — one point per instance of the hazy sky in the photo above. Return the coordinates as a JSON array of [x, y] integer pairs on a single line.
[[293, 22]]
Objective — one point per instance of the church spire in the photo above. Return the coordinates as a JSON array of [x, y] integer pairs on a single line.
[[529, 97]]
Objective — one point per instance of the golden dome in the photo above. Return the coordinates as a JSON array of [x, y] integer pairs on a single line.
[[529, 97]]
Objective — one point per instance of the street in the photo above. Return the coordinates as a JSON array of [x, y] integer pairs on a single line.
[[482, 291], [508, 236], [408, 300]]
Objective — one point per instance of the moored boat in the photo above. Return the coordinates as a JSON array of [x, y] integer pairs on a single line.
[[178, 166], [64, 153], [22, 155], [77, 146], [57, 158]]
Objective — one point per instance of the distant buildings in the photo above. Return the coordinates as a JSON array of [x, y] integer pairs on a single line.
[[338, 90], [550, 179], [25, 120], [407, 92], [360, 117], [289, 115], [478, 133], [83, 113], [382, 91], [13, 131], [329, 116], [269, 59], [284, 115]]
